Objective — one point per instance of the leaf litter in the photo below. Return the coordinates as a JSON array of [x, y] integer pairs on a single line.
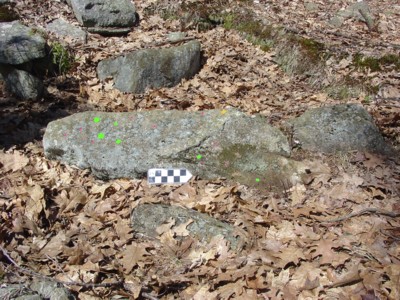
[[336, 237]]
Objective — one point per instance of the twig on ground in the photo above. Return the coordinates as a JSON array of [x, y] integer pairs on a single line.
[[361, 212], [38, 275], [389, 235], [174, 42]]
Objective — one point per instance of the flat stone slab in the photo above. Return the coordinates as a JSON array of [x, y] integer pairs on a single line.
[[344, 127], [104, 13], [20, 44], [146, 218], [210, 144], [151, 68]]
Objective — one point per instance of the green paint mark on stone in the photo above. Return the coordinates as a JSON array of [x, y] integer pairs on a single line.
[[96, 120], [100, 136], [199, 156], [115, 123], [118, 141], [258, 179]]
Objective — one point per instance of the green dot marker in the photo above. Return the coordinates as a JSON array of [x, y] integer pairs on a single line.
[[100, 136], [199, 156], [258, 179], [115, 123], [118, 141], [96, 120]]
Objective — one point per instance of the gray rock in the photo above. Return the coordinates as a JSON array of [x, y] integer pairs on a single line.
[[152, 68], [12, 291], [51, 290], [39, 289], [109, 31], [20, 44], [359, 11], [176, 36], [147, 217], [311, 6], [344, 127], [28, 297], [64, 29], [104, 13], [230, 143], [24, 85]]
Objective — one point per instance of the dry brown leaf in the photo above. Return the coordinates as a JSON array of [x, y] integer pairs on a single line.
[[35, 203], [55, 246], [132, 255], [181, 230], [13, 161]]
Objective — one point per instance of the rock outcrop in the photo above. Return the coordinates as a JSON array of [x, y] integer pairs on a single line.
[[210, 144]]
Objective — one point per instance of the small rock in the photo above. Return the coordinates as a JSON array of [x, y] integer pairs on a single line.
[[343, 127], [24, 85], [176, 36], [64, 29], [359, 10], [310, 6], [152, 68], [51, 290], [147, 217]]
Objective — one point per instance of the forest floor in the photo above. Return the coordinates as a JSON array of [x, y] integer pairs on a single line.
[[336, 237]]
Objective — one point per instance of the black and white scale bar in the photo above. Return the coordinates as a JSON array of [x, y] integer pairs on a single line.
[[168, 176]]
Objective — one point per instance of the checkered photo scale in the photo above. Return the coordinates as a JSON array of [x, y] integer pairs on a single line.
[[168, 176]]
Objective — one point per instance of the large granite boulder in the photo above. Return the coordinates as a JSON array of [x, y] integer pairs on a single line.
[[23, 59], [210, 144], [343, 127], [105, 16], [146, 218], [152, 68]]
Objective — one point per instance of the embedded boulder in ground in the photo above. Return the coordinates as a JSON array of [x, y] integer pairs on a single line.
[[105, 17], [147, 218], [210, 144], [343, 127], [152, 68]]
